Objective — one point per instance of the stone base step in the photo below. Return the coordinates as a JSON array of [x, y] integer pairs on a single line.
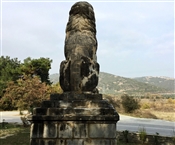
[[41, 118], [68, 96], [76, 104], [73, 111]]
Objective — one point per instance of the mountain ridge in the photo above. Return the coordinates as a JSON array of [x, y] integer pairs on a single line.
[[113, 84], [162, 82]]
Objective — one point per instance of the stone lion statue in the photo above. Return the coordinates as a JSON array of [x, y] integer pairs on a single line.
[[79, 72]]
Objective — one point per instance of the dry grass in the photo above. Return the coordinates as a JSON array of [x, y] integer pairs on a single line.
[[150, 108], [170, 116], [161, 108]]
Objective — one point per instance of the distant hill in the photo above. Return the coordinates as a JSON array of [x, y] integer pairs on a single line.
[[162, 82], [112, 84], [54, 78]]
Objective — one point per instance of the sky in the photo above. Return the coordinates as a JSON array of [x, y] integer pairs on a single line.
[[135, 38]]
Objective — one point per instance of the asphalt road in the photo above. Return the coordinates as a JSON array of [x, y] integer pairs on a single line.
[[10, 116], [132, 124]]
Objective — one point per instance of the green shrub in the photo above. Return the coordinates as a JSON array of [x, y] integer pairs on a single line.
[[142, 135], [129, 103]]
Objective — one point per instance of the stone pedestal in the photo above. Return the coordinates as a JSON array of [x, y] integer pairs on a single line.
[[74, 119]]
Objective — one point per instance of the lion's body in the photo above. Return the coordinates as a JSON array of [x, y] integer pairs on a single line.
[[80, 70], [81, 32]]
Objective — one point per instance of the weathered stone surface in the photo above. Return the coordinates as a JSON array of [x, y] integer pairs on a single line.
[[50, 130], [73, 132], [40, 111], [75, 118], [113, 141], [73, 110], [79, 72], [36, 130], [47, 142], [102, 130], [42, 142], [65, 130], [34, 142], [71, 96], [77, 111], [75, 142], [61, 142], [98, 142], [80, 130], [76, 104]]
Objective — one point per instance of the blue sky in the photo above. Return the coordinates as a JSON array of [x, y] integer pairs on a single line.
[[135, 38]]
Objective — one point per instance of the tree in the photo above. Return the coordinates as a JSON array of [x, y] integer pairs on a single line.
[[37, 67], [56, 88], [26, 93], [21, 83], [9, 71], [12, 70], [129, 103]]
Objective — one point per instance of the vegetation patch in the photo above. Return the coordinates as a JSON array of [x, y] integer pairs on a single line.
[[13, 133], [20, 137], [142, 138], [147, 107], [129, 103]]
